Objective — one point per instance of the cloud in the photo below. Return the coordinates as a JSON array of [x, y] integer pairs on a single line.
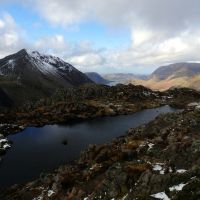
[[154, 14], [2, 24], [11, 37], [141, 36], [87, 62], [55, 44], [160, 31]]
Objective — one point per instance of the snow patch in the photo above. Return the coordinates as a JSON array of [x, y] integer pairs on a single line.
[[197, 107], [170, 170], [11, 64], [158, 167], [38, 198], [3, 141], [5, 69], [67, 67], [146, 93], [160, 195], [6, 146], [123, 198], [177, 187], [144, 144], [193, 104], [50, 193], [162, 172], [150, 145], [181, 171], [48, 64]]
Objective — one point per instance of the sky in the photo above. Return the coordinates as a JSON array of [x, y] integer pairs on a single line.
[[106, 36]]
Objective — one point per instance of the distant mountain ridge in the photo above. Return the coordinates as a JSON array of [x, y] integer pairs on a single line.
[[122, 77], [97, 78], [176, 70], [174, 75], [30, 75]]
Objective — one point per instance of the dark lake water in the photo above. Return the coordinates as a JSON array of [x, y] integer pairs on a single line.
[[37, 150]]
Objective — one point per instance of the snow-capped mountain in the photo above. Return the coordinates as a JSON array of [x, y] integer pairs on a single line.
[[29, 75], [46, 64]]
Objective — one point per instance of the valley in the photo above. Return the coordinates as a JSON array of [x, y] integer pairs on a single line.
[[170, 76]]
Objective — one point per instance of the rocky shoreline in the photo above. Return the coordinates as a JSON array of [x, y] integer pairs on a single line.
[[81, 103], [4, 145], [159, 160], [91, 101]]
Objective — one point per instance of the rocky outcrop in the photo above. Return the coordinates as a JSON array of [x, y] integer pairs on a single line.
[[159, 160], [4, 145]]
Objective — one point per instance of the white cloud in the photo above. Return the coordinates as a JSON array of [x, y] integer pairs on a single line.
[[160, 32], [61, 12], [173, 45], [87, 62], [11, 37], [141, 36], [55, 44], [2, 24], [155, 14]]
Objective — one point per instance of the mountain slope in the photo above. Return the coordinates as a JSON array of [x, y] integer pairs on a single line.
[[97, 78], [4, 99], [174, 75], [30, 75], [176, 70]]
